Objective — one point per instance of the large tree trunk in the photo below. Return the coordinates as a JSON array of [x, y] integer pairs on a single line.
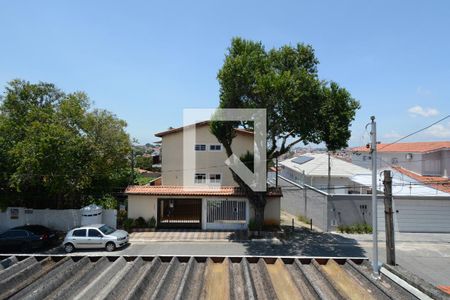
[[258, 200]]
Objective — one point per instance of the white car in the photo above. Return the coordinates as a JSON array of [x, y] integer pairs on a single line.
[[95, 236]]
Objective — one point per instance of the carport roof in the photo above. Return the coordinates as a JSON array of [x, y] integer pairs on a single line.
[[172, 190], [184, 277]]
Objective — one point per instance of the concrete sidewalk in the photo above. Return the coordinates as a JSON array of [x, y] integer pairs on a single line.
[[401, 237], [187, 235]]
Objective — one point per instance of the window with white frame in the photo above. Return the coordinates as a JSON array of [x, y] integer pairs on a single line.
[[215, 178], [200, 147], [200, 178], [215, 147]]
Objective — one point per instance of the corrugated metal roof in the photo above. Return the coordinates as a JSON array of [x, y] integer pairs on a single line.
[[184, 277]]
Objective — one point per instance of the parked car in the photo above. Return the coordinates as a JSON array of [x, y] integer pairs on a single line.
[[95, 236], [27, 238]]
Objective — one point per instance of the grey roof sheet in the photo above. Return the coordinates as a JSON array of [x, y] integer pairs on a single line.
[[167, 277]]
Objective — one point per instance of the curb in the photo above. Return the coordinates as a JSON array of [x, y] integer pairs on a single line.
[[183, 240]]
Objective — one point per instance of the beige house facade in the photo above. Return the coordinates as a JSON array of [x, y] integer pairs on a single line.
[[211, 200]]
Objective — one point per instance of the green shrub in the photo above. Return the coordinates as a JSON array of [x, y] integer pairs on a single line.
[[252, 225], [304, 219], [355, 228], [152, 222], [140, 223], [121, 217], [107, 201], [128, 224]]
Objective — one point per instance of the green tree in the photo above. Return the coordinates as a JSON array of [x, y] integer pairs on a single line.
[[144, 162], [337, 112], [55, 151], [284, 81]]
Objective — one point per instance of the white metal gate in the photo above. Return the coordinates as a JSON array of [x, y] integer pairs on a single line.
[[226, 214]]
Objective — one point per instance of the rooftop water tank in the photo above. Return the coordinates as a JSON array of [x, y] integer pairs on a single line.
[[91, 214]]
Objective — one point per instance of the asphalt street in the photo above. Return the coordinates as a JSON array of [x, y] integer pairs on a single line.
[[428, 256]]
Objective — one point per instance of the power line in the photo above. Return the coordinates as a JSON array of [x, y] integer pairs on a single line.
[[415, 132]]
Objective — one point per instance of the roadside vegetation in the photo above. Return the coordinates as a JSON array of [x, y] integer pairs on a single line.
[[57, 151], [304, 219], [140, 223], [355, 228]]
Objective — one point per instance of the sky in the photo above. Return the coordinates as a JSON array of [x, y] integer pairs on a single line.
[[146, 61]]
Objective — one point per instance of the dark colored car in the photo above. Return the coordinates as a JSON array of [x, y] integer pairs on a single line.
[[28, 237]]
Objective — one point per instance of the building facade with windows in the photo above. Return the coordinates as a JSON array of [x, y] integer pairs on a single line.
[[421, 158], [208, 198]]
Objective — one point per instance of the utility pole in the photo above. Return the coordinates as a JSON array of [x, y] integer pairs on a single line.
[[373, 151], [276, 171], [329, 174], [389, 218], [305, 194]]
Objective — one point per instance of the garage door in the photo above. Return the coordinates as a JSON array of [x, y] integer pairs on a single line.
[[418, 215], [179, 213]]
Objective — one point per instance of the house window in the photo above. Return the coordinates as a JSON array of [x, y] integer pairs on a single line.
[[215, 147], [200, 147], [200, 178], [214, 178]]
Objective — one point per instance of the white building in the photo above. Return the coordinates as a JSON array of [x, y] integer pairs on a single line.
[[312, 169], [422, 158], [212, 199]]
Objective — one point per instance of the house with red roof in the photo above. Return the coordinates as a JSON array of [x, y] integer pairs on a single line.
[[421, 158], [204, 197]]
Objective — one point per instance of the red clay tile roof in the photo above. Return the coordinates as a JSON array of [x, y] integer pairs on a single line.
[[171, 190], [199, 124], [418, 147], [439, 183], [444, 288]]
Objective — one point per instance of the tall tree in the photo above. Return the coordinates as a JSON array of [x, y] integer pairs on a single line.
[[284, 81], [55, 148]]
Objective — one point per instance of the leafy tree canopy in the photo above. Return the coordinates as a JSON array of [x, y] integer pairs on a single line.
[[300, 106], [54, 145]]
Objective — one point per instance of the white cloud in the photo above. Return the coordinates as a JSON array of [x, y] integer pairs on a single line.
[[439, 131], [423, 92], [392, 135], [421, 111]]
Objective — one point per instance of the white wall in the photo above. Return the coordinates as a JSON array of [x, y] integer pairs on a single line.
[[59, 219], [387, 159], [209, 162]]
